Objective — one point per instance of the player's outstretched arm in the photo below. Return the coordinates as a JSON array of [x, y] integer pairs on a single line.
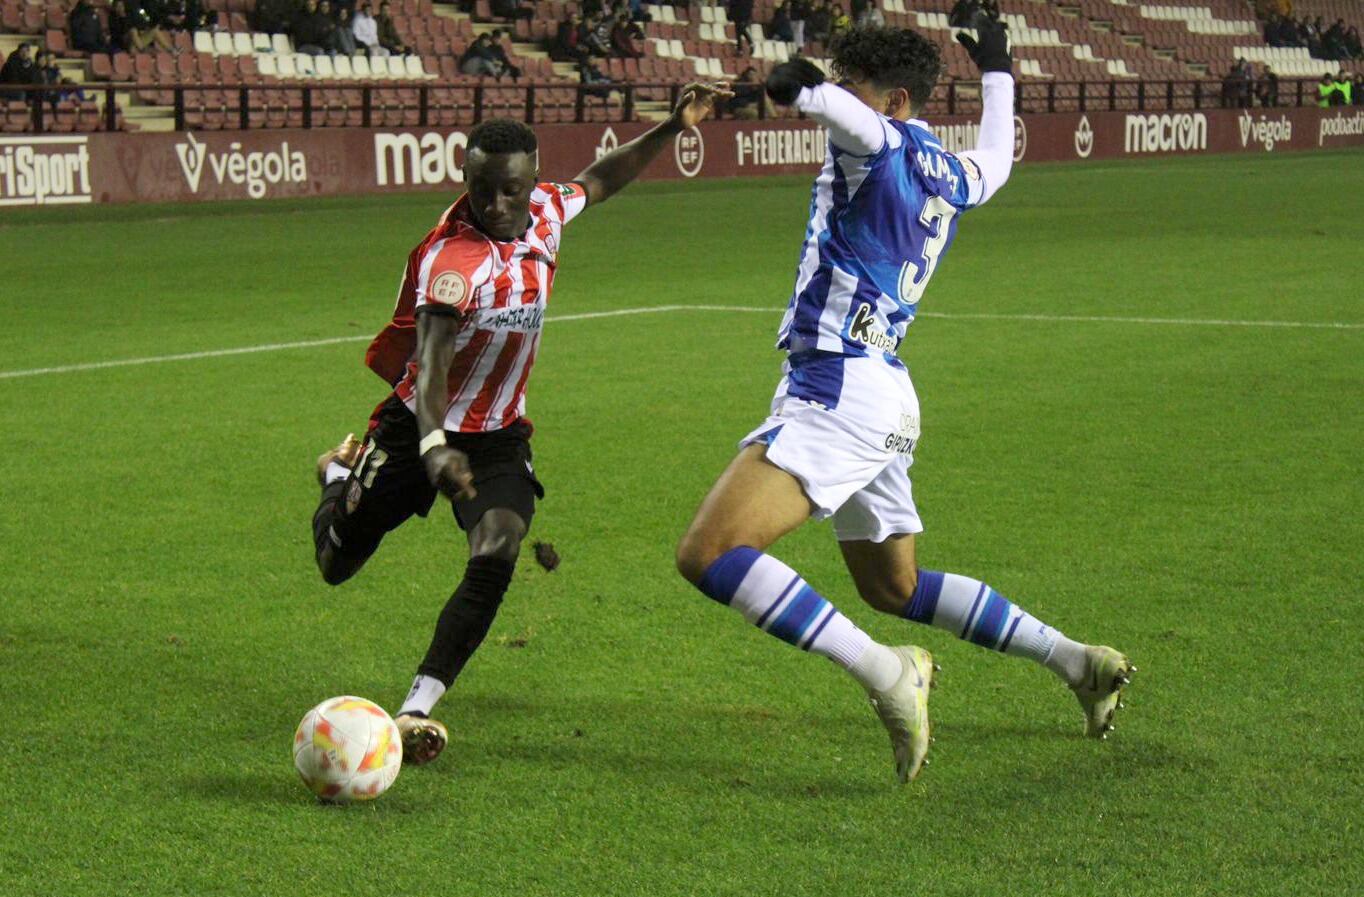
[[853, 126], [446, 468], [994, 152], [609, 174]]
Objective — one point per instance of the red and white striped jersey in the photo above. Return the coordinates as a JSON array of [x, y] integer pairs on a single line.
[[500, 289]]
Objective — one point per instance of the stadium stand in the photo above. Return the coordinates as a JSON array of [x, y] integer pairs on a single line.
[[1123, 52]]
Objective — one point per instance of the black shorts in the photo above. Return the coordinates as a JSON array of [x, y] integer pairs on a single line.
[[389, 484]]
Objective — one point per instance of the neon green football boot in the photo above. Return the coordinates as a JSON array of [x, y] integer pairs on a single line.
[[1107, 672], [903, 709]]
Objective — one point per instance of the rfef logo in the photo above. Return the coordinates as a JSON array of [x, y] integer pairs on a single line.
[[432, 158], [1265, 132], [39, 171], [689, 149], [1181, 132]]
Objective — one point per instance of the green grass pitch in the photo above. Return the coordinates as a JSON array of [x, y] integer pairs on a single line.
[[1187, 492]]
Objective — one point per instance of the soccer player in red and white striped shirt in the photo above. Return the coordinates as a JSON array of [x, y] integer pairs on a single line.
[[459, 352]]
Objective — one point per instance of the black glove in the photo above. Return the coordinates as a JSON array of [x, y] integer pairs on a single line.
[[990, 48], [786, 80]]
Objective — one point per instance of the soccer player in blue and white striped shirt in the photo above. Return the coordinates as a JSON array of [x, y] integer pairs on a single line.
[[845, 419]]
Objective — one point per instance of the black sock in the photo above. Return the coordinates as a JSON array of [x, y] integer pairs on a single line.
[[466, 617]]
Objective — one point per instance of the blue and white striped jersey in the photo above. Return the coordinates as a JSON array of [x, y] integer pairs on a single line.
[[878, 226]]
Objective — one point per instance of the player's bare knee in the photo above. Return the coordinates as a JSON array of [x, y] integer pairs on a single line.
[[890, 593], [696, 551]]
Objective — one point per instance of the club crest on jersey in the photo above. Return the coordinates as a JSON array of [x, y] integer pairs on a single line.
[[862, 329], [450, 288]]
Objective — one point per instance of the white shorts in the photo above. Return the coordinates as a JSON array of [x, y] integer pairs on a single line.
[[853, 459]]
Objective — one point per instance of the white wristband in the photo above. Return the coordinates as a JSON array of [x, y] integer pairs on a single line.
[[430, 441]]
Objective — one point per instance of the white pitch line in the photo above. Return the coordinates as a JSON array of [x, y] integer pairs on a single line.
[[1106, 319], [657, 309]]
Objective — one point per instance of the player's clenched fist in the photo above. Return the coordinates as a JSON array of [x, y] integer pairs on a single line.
[[786, 80], [448, 470]]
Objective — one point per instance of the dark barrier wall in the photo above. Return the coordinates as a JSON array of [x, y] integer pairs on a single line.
[[178, 167]]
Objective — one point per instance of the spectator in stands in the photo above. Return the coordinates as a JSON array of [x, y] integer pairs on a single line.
[[818, 21], [567, 45], [780, 26], [590, 74], [871, 17], [1344, 90], [47, 72], [800, 11], [1359, 89], [750, 98], [365, 29], [1326, 91], [1333, 41], [592, 37], [1353, 48], [499, 52], [1267, 88], [741, 14], [962, 11], [481, 59], [627, 38], [133, 30], [166, 14], [344, 35], [638, 13], [199, 18], [313, 30], [839, 21], [87, 33], [511, 10], [19, 68], [1235, 87], [388, 32], [274, 16]]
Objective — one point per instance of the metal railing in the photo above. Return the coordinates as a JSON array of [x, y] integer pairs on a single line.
[[1128, 95], [315, 102]]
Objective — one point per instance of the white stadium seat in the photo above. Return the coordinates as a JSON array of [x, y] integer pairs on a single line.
[[265, 64], [203, 42], [360, 66], [303, 64], [341, 65], [279, 43], [260, 42], [414, 67], [323, 68], [241, 44]]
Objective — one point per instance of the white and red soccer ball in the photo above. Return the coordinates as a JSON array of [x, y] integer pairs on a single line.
[[347, 749]]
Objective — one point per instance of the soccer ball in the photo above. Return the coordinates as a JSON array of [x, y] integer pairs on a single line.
[[347, 749]]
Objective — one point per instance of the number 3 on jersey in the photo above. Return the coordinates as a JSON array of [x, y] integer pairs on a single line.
[[937, 219]]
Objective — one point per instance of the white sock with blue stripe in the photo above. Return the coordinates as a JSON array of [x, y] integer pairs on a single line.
[[971, 610], [773, 597]]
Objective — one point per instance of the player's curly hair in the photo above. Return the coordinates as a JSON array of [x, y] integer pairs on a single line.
[[503, 135], [890, 57]]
